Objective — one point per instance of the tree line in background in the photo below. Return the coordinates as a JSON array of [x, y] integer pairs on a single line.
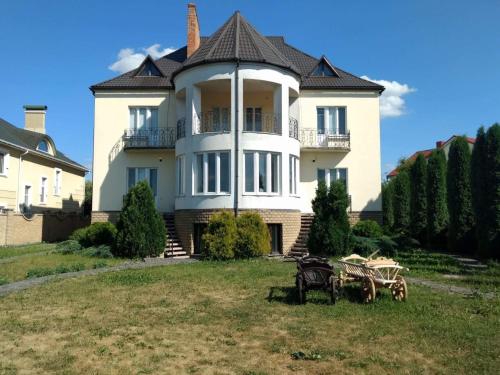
[[452, 203]]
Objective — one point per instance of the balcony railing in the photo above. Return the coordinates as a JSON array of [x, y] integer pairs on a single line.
[[266, 122], [212, 122], [181, 128], [311, 138], [293, 128], [149, 138]]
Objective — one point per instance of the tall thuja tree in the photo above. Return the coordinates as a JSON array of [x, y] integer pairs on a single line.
[[437, 208], [459, 196], [330, 230], [387, 207], [401, 202], [479, 187], [418, 199], [493, 190]]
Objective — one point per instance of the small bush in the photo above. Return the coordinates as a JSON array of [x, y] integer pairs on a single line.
[[367, 228], [405, 243], [68, 247], [3, 281], [39, 272], [253, 237], [220, 238], [387, 246], [102, 251], [99, 264], [95, 234], [363, 245]]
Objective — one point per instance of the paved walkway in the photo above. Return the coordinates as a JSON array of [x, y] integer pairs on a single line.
[[28, 283]]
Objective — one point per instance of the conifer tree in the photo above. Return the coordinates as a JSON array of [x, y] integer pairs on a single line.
[[437, 209], [493, 190], [401, 202], [387, 207], [461, 228], [479, 190], [418, 200]]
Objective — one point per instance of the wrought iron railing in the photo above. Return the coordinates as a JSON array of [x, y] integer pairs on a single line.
[[149, 138], [316, 139], [181, 128], [267, 122], [293, 128], [212, 122]]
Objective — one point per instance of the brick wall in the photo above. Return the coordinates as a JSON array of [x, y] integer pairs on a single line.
[[354, 217], [290, 220], [101, 216], [16, 229]]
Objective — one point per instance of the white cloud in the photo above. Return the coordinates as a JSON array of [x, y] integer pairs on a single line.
[[129, 59], [392, 103]]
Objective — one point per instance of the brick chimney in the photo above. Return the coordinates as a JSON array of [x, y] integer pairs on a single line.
[[439, 144], [193, 30], [34, 118]]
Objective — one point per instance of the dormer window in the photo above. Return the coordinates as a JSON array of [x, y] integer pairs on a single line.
[[148, 69], [324, 69], [43, 146]]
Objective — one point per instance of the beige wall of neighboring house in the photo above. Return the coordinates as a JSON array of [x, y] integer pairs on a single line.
[[29, 172]]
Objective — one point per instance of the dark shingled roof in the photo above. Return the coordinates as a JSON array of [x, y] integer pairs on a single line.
[[29, 140], [237, 40]]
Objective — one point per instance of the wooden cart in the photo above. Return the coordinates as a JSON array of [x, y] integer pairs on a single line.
[[314, 273], [373, 273]]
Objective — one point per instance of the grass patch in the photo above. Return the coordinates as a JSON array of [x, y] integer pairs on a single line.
[[13, 251], [239, 317]]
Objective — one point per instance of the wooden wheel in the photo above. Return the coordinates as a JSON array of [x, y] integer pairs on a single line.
[[368, 290], [301, 289], [333, 290], [399, 289]]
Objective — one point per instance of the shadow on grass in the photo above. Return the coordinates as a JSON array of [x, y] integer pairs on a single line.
[[289, 296]]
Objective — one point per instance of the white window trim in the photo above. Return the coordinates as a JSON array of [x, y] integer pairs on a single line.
[[6, 157], [180, 162], [326, 113], [136, 179], [205, 173], [148, 123], [45, 195], [30, 196], [268, 173], [327, 176], [295, 172], [57, 187]]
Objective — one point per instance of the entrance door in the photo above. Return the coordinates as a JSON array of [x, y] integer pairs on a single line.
[[276, 235]]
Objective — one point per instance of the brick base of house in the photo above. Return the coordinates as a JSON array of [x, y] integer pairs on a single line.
[[354, 217], [102, 216], [289, 219]]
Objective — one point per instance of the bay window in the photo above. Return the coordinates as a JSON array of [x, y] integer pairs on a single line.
[[329, 176], [262, 172], [179, 167], [293, 174], [212, 173], [331, 120], [150, 175]]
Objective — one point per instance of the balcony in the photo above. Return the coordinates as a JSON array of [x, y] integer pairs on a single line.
[[212, 122], [310, 138], [262, 122], [157, 138], [293, 128]]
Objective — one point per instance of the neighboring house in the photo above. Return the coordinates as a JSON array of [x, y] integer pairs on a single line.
[[444, 145], [236, 121], [34, 175]]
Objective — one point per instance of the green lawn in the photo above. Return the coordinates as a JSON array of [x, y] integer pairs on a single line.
[[47, 262], [239, 317]]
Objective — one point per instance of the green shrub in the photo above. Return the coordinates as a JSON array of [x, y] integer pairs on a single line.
[[253, 238], [367, 228], [405, 242], [141, 229], [387, 246], [99, 264], [3, 281], [363, 245], [39, 272], [102, 251], [330, 230], [220, 238], [95, 234], [68, 247]]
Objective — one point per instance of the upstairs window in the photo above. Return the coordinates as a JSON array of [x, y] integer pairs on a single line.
[[43, 146], [150, 175], [149, 70], [253, 119], [323, 70], [331, 120], [329, 176], [143, 118]]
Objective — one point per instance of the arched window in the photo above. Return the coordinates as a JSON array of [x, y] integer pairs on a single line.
[[43, 146]]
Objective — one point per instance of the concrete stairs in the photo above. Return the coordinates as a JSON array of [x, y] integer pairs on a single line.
[[173, 248], [299, 248]]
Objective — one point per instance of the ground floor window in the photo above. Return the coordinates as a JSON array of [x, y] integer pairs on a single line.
[[212, 171], [179, 165], [150, 175], [329, 176], [262, 172], [293, 174], [27, 196], [198, 230], [43, 190], [275, 231]]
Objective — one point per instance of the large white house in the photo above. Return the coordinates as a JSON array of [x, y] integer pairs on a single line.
[[236, 121]]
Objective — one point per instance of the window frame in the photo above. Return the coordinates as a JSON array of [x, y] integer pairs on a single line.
[[180, 173], [253, 129], [57, 182], [148, 119], [293, 175], [326, 115], [5, 169], [136, 177], [205, 173], [43, 190], [328, 179], [268, 174]]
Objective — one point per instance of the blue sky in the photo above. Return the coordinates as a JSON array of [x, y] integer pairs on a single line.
[[444, 57]]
